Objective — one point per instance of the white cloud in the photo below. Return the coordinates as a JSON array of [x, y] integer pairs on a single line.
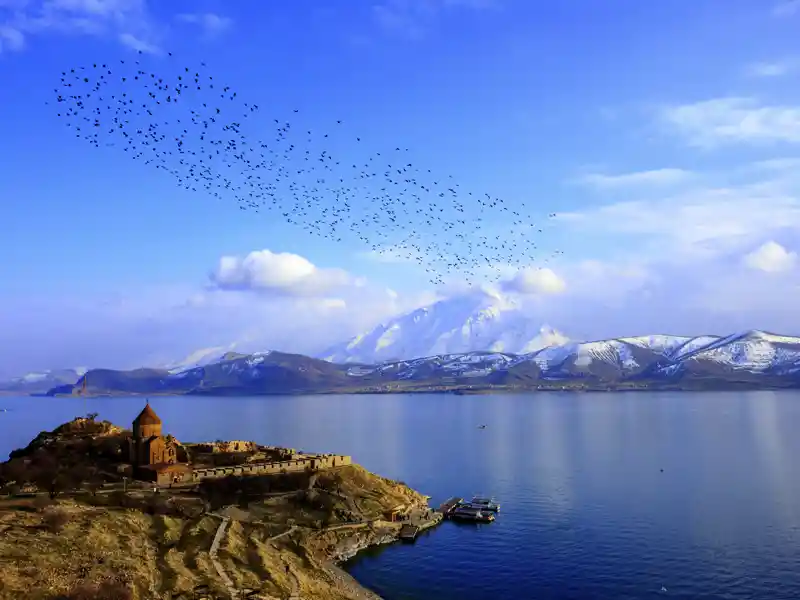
[[155, 326], [656, 177], [134, 43], [699, 261], [211, 23], [787, 8], [770, 69], [733, 120], [129, 21], [280, 273], [11, 38], [634, 294], [770, 257], [535, 281], [702, 220], [412, 18], [778, 164]]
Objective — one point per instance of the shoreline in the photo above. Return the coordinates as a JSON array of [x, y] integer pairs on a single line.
[[335, 563], [282, 530], [456, 391], [292, 543]]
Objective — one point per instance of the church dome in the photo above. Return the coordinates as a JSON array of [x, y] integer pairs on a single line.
[[147, 417]]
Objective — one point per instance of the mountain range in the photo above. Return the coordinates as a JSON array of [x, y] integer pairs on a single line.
[[477, 341], [41, 381], [749, 360]]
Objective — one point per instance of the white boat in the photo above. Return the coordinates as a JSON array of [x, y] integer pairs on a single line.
[[471, 513], [485, 503]]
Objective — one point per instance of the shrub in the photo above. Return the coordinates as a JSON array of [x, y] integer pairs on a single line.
[[157, 505], [55, 520], [121, 499], [103, 591], [41, 503], [14, 470]]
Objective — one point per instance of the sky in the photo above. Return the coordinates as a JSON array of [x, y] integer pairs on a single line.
[[665, 136]]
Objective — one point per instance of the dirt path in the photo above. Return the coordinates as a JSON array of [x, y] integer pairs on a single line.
[[289, 531], [213, 555]]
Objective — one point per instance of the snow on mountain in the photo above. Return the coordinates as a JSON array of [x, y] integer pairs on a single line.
[[473, 364], [476, 336], [753, 351], [33, 377], [595, 358], [199, 358], [483, 321], [37, 381], [753, 357], [739, 356]]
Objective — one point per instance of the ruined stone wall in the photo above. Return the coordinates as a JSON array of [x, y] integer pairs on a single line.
[[226, 446], [312, 463], [236, 446]]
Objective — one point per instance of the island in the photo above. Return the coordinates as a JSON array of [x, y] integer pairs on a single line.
[[91, 510]]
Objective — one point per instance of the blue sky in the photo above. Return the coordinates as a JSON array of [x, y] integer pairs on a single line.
[[662, 134]]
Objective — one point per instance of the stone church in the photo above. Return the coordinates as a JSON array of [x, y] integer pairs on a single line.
[[150, 452]]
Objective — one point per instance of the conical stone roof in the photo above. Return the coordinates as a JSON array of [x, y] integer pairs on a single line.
[[147, 417]]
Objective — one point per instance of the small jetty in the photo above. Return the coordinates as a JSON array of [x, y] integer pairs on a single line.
[[408, 533], [450, 505]]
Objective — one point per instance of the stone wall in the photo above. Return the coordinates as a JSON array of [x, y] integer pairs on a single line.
[[312, 462]]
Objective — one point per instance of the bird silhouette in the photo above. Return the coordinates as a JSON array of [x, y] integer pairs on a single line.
[[333, 183]]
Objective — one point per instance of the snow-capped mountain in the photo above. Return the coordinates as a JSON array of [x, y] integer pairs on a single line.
[[746, 357], [753, 359], [200, 358], [41, 381], [483, 321], [755, 352]]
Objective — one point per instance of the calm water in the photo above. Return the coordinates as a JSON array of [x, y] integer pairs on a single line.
[[587, 512]]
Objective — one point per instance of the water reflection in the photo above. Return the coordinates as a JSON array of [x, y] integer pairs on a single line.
[[604, 495], [765, 416], [549, 455], [499, 444]]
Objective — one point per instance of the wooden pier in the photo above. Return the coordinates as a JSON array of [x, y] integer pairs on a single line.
[[408, 533], [447, 508]]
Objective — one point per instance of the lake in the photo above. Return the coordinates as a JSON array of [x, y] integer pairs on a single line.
[[604, 496]]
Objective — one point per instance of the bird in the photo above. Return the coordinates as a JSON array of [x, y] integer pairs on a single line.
[[328, 181]]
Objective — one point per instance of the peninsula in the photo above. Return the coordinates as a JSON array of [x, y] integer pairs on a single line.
[[91, 510]]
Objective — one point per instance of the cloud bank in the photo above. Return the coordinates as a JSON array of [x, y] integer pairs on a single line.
[[132, 23]]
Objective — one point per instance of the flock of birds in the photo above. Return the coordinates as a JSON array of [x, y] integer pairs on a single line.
[[184, 122]]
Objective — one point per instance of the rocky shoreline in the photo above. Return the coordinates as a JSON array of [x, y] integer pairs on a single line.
[[277, 535], [350, 546]]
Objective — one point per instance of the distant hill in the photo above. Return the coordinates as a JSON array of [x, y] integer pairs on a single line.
[[749, 360], [40, 381], [232, 373]]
